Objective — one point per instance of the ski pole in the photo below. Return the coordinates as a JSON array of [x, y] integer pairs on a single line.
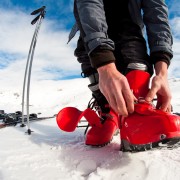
[[27, 75], [26, 72]]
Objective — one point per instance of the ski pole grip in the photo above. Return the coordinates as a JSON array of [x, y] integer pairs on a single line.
[[38, 10], [35, 20], [42, 14]]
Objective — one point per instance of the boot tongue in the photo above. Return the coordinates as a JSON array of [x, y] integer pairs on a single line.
[[139, 82], [99, 97]]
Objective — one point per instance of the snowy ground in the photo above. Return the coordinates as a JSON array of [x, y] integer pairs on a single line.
[[51, 154]]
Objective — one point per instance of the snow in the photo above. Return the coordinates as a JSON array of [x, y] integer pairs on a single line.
[[51, 154]]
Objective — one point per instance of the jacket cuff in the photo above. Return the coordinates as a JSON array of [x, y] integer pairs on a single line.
[[101, 57], [160, 56]]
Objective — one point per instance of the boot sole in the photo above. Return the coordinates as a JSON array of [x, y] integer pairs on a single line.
[[99, 145], [163, 144]]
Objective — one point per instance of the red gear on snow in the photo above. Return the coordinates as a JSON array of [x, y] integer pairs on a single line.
[[141, 130], [139, 83], [100, 136], [147, 126], [69, 117]]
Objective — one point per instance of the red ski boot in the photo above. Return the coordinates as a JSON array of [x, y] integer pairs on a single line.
[[103, 126], [147, 127], [101, 136], [103, 121]]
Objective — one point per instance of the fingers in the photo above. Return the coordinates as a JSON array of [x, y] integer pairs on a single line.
[[164, 105], [121, 105], [169, 109], [151, 94], [156, 86], [116, 89], [161, 89], [129, 99], [120, 99], [116, 101], [164, 99]]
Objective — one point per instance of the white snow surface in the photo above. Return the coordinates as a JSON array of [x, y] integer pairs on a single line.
[[51, 154]]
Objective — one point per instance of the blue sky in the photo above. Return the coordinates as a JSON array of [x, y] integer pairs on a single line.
[[54, 58], [56, 9]]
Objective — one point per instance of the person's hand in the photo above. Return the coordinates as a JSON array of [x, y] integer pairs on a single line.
[[116, 89], [160, 88]]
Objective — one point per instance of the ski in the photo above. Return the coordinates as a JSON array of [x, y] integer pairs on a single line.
[[12, 119]]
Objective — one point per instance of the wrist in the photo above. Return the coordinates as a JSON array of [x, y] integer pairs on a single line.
[[161, 56], [106, 68], [100, 57], [161, 69]]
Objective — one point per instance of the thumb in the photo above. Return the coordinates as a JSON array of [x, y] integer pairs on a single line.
[[151, 94]]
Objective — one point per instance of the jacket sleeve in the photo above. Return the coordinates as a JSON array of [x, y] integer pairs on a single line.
[[90, 17], [155, 16]]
